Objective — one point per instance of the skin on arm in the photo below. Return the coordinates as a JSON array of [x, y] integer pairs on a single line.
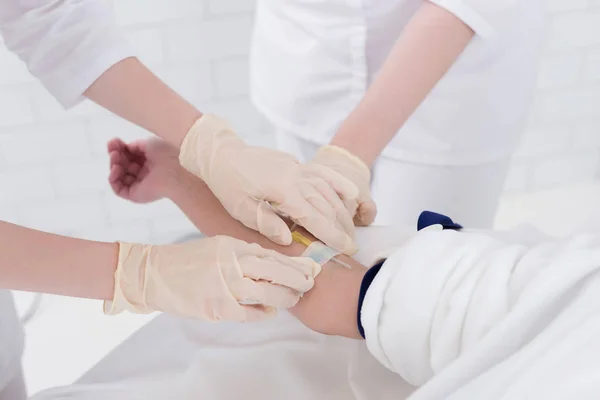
[[131, 91], [146, 171], [43, 262], [429, 45], [330, 307]]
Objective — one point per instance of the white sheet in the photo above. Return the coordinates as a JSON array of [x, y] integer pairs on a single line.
[[460, 315], [470, 316], [278, 359]]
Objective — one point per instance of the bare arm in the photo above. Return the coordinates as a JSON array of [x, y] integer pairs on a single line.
[[330, 307], [429, 45], [131, 91], [43, 262], [75, 47]]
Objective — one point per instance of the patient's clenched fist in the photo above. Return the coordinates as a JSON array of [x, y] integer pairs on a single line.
[[143, 171]]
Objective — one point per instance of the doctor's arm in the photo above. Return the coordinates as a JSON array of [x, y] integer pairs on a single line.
[[145, 171], [76, 50], [37, 261], [133, 92], [330, 307], [429, 45]]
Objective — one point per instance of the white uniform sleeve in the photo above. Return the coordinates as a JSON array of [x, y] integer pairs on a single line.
[[66, 44], [483, 16], [448, 294]]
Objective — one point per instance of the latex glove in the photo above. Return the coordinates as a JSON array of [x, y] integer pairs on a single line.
[[350, 166], [209, 279], [248, 180]]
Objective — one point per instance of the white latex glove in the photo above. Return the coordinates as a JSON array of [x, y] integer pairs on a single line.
[[353, 168], [248, 180], [209, 279]]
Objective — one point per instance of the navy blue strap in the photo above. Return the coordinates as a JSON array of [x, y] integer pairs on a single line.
[[428, 218], [364, 286]]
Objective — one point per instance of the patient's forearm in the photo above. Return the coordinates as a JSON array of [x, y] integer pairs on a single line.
[[330, 307]]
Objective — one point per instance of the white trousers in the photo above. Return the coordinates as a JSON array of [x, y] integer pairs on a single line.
[[12, 386], [402, 190]]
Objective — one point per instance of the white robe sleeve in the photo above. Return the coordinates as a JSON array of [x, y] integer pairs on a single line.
[[468, 302], [66, 44], [485, 17]]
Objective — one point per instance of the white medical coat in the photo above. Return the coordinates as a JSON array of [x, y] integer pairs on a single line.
[[312, 62], [67, 45]]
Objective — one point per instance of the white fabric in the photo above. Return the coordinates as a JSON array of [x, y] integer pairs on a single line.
[[402, 190], [467, 315], [312, 62], [11, 347], [277, 359], [66, 44], [464, 315]]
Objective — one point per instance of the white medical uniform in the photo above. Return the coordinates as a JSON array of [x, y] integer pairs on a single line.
[[313, 61], [67, 45]]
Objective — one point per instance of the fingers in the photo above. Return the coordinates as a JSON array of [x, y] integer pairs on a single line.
[[298, 276], [258, 215], [340, 212], [126, 168], [366, 213], [308, 267], [344, 187], [250, 292], [115, 145], [272, 225], [322, 227], [116, 173]]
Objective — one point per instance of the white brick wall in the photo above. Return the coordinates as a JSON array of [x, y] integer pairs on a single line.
[[562, 144], [53, 166]]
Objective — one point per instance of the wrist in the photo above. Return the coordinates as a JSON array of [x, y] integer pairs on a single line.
[[175, 184], [207, 135], [367, 153], [347, 157], [183, 187], [129, 280]]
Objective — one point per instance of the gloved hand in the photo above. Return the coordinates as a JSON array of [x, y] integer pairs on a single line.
[[363, 209], [213, 279], [256, 184]]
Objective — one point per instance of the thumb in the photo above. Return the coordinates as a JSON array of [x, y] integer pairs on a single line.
[[260, 216], [272, 225], [366, 213]]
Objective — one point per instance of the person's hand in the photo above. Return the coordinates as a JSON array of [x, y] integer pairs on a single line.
[[363, 208], [257, 186], [143, 171], [212, 279]]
